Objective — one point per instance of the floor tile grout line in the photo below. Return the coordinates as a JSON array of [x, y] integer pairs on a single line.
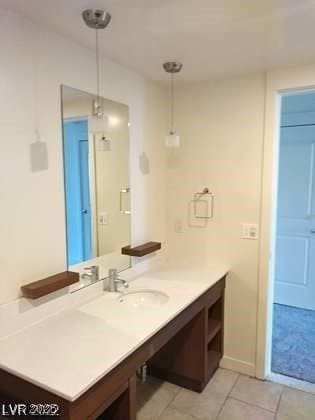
[[168, 405], [179, 411], [221, 407], [278, 406], [253, 405], [227, 396], [234, 385]]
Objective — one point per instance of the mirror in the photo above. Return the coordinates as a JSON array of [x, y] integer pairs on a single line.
[[96, 174]]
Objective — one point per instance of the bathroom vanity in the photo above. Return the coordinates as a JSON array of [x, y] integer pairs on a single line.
[[83, 362]]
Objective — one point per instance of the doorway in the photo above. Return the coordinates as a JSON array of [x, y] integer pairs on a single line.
[[77, 189], [293, 327]]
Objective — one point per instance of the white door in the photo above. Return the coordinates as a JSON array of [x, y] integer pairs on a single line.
[[295, 240]]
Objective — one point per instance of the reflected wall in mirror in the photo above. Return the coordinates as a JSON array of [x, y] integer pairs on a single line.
[[96, 172]]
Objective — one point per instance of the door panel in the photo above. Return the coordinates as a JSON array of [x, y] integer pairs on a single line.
[[295, 180], [292, 271], [295, 248]]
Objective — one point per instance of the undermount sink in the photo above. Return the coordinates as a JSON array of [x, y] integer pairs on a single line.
[[143, 298]]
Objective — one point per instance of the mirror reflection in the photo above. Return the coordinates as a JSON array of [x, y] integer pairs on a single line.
[[96, 173]]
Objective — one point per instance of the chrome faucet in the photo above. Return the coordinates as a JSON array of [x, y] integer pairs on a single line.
[[114, 281], [91, 273]]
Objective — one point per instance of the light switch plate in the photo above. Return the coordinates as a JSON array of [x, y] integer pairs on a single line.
[[103, 218], [249, 231]]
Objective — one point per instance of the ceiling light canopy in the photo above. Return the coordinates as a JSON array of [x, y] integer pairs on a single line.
[[96, 18]]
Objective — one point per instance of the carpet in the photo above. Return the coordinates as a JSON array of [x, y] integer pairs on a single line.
[[293, 342]]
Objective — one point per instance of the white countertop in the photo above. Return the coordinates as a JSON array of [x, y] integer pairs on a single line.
[[69, 352]]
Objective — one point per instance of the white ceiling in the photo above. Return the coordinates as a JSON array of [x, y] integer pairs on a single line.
[[213, 38]]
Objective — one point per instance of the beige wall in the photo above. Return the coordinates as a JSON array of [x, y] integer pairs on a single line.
[[34, 63], [221, 128], [229, 143]]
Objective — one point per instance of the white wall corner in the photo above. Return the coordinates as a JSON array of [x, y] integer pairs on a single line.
[[239, 366]]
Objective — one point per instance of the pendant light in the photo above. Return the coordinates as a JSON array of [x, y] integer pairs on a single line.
[[172, 67], [97, 19]]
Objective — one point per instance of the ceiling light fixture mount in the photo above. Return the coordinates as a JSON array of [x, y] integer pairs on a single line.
[[172, 67], [96, 18]]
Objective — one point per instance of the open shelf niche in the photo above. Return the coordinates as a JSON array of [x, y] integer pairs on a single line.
[[215, 316]]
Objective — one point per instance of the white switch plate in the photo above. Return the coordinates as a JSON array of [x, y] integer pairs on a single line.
[[102, 218], [249, 231]]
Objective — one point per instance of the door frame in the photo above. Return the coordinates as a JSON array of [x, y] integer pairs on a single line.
[[277, 83]]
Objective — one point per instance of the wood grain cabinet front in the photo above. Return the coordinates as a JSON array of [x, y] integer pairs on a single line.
[[191, 356]]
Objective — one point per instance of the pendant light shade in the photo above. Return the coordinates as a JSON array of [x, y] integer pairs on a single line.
[[97, 19], [97, 125], [172, 140], [172, 67]]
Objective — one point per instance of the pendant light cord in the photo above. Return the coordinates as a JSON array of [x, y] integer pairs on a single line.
[[97, 66], [172, 103]]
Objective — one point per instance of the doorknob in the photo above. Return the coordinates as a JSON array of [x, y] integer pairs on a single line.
[[84, 211], [312, 231]]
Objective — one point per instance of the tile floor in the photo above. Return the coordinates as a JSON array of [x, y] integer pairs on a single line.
[[228, 396]]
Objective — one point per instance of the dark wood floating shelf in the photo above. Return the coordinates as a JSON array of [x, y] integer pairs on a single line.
[[50, 284], [141, 250]]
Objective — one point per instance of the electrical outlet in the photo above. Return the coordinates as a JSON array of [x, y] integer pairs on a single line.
[[249, 231]]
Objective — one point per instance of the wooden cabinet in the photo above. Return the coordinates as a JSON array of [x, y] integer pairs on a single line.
[[192, 356], [187, 352], [123, 407]]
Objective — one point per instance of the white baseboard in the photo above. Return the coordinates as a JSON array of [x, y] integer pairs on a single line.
[[238, 366]]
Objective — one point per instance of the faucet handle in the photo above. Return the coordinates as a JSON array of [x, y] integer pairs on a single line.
[[124, 283], [91, 268], [112, 272], [91, 272]]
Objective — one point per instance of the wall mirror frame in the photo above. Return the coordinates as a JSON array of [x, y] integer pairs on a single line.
[[96, 183]]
